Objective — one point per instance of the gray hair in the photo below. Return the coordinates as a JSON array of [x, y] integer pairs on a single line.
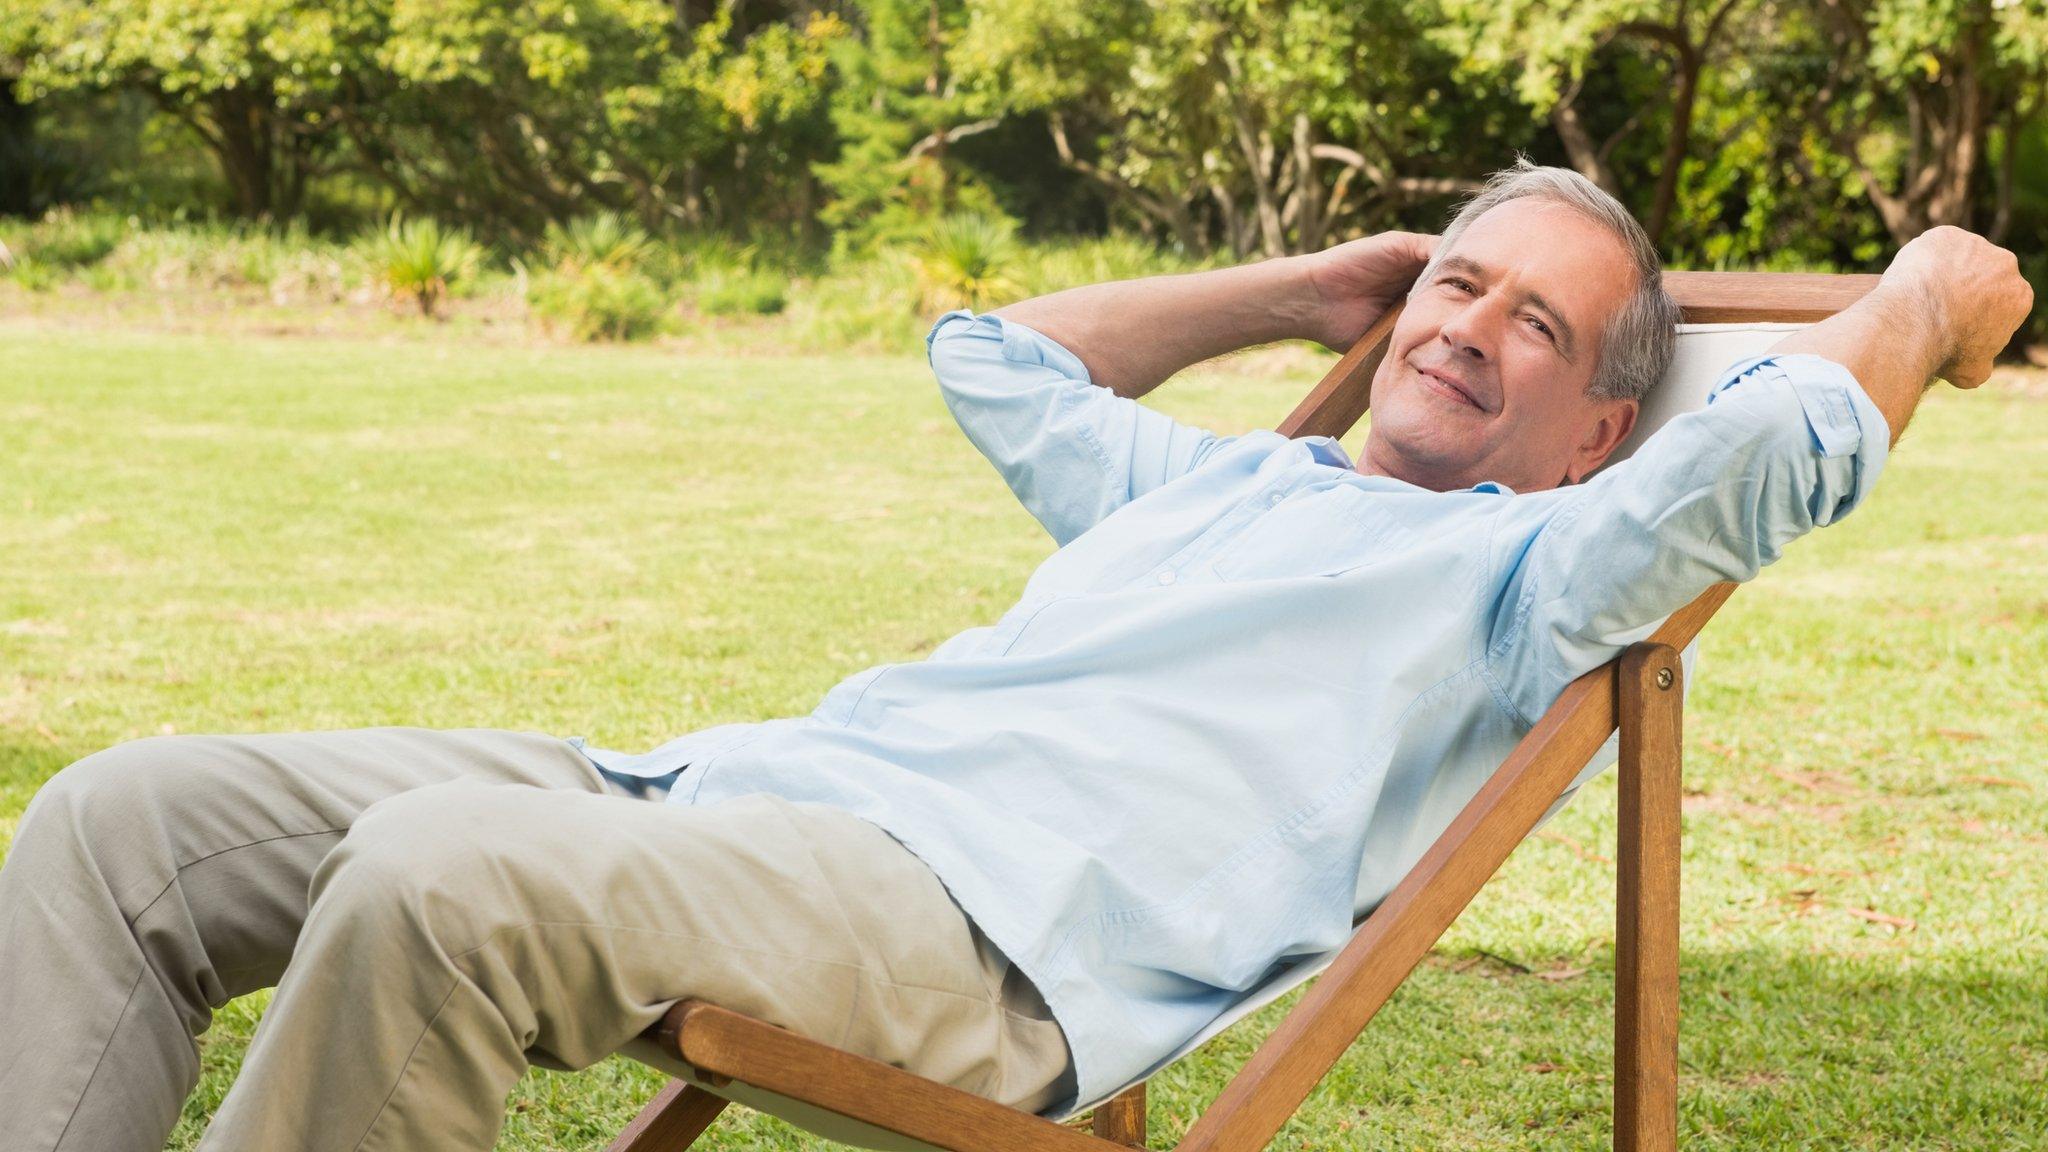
[[1637, 344]]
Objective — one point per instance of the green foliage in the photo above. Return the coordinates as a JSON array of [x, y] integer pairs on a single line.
[[967, 261], [256, 80], [624, 131], [605, 238], [1119, 256], [65, 240], [599, 301], [740, 291], [420, 259]]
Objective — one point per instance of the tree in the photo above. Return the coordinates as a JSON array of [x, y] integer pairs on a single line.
[[1269, 127], [1553, 51], [17, 146], [1912, 94], [255, 80], [539, 110]]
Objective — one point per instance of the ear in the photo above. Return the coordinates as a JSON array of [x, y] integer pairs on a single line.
[[1607, 433]]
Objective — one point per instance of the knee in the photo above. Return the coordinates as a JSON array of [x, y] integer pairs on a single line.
[[427, 860], [120, 793]]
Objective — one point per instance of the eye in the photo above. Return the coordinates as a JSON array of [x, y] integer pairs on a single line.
[[1540, 326], [1457, 282]]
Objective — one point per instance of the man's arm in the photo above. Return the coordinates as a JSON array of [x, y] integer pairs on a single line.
[[1134, 334], [1946, 306], [1788, 442], [1071, 452], [1047, 388]]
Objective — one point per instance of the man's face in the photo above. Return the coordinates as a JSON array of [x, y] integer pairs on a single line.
[[1486, 375]]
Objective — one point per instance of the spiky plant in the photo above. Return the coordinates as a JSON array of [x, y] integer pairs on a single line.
[[601, 240], [420, 259], [967, 260]]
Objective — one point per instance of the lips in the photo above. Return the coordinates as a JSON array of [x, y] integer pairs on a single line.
[[1451, 385]]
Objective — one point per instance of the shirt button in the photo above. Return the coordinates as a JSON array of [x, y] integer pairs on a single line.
[[1166, 577], [1276, 497]]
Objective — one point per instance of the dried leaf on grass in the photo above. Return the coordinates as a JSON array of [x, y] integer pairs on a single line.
[[1876, 917], [1818, 781]]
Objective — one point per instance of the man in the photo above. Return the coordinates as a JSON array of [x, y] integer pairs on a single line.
[[1228, 713]]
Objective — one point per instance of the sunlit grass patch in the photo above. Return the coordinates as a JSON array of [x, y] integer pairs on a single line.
[[249, 534]]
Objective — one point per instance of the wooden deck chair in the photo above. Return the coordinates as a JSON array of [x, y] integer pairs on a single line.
[[720, 1056]]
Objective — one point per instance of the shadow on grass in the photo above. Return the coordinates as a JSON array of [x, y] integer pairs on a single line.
[[1784, 1049], [1778, 1048]]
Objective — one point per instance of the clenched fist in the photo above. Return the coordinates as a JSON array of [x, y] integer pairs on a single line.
[[1974, 294]]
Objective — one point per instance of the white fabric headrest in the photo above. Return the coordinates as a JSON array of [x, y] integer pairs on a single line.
[[1705, 351]]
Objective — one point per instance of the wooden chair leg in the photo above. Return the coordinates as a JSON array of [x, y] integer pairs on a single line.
[[672, 1121], [1646, 914], [1121, 1118]]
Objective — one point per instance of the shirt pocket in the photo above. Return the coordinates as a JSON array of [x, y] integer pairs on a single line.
[[1312, 532]]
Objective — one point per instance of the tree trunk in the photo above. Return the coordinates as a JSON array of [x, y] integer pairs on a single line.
[[18, 160], [241, 144], [1587, 157], [1309, 222], [1675, 146]]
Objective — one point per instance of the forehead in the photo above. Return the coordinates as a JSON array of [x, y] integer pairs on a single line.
[[1576, 265]]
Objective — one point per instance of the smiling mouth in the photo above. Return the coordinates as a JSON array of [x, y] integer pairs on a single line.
[[1450, 389]]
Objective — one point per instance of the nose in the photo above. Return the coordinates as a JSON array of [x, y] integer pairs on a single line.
[[1469, 333]]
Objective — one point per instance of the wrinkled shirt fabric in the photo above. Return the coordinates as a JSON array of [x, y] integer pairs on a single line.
[[1252, 684]]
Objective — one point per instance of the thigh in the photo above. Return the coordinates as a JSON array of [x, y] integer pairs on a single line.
[[585, 917], [218, 836]]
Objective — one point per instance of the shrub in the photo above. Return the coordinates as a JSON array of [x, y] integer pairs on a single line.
[[741, 291], [966, 261], [32, 274], [868, 303], [599, 302], [66, 240], [421, 260], [606, 239]]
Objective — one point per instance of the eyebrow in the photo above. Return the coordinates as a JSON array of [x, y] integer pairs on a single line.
[[1567, 337]]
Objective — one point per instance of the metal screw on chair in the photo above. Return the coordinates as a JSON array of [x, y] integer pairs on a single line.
[[1664, 677]]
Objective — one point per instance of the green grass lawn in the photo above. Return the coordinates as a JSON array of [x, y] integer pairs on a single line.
[[205, 534]]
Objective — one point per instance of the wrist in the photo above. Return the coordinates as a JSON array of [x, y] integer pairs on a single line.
[[1918, 315], [1290, 304]]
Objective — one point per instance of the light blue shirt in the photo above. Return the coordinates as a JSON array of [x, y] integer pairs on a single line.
[[1253, 685]]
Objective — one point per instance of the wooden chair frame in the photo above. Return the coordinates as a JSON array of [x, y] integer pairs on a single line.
[[1640, 693]]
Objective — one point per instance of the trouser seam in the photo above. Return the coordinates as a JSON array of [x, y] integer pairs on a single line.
[[101, 1062], [399, 1079], [179, 870]]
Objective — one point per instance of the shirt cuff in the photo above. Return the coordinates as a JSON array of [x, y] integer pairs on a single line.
[[1842, 418], [1021, 343]]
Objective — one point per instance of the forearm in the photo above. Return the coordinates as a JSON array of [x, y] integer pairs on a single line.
[[1893, 341], [1133, 334]]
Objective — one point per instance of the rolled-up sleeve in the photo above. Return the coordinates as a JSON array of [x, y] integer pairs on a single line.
[[1072, 452], [1785, 444]]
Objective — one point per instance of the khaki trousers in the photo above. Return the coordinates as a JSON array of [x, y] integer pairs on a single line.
[[437, 910]]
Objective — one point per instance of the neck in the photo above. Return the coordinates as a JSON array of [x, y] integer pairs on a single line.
[[1380, 460]]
